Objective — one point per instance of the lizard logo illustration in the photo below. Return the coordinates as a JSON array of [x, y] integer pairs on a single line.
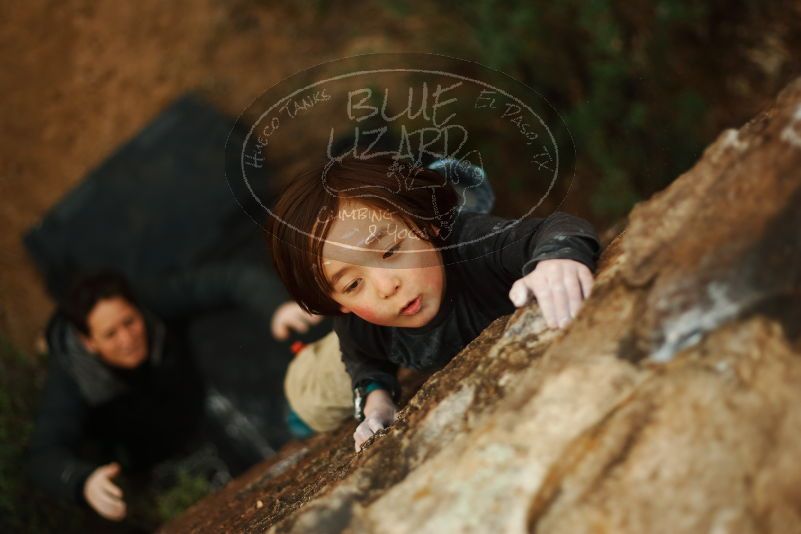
[[465, 174]]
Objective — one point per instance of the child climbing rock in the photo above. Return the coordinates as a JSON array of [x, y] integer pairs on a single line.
[[412, 278]]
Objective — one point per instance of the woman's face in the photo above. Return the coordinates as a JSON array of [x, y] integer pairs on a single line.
[[380, 270], [117, 333]]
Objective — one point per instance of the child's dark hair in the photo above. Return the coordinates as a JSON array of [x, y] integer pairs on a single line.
[[302, 217], [88, 290]]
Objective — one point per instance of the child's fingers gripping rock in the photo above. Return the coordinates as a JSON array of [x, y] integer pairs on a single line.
[[520, 293], [379, 413], [558, 285], [364, 431]]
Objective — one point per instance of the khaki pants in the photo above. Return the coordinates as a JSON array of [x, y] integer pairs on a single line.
[[318, 387]]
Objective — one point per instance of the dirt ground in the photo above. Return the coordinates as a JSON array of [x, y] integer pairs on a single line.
[[79, 77]]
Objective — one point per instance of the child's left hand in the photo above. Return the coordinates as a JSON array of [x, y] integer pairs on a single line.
[[290, 316], [559, 286]]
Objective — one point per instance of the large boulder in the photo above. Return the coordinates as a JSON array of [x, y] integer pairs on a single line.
[[671, 404]]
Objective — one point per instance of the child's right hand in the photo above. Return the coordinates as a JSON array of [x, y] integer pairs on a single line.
[[559, 285], [379, 413], [290, 316]]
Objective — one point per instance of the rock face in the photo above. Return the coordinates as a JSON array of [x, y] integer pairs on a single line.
[[671, 404]]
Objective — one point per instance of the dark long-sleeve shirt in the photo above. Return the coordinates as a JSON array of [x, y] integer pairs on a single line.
[[479, 273]]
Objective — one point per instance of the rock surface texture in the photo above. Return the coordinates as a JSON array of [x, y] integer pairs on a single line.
[[671, 404]]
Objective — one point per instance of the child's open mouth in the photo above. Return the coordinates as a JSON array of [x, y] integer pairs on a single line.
[[413, 307]]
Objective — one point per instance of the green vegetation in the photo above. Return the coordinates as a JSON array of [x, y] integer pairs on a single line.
[[599, 69], [188, 489], [643, 86], [21, 508]]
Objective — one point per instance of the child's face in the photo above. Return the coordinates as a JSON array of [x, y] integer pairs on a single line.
[[394, 278]]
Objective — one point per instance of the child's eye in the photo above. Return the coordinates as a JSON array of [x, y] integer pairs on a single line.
[[391, 251], [353, 285]]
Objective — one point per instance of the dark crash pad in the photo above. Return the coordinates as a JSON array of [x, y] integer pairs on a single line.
[[161, 204]]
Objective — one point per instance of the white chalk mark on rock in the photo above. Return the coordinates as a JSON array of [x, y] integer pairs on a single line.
[[731, 138], [689, 327], [790, 133], [451, 409]]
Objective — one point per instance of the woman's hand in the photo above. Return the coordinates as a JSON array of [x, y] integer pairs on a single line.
[[290, 316], [559, 286], [379, 413], [103, 495]]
